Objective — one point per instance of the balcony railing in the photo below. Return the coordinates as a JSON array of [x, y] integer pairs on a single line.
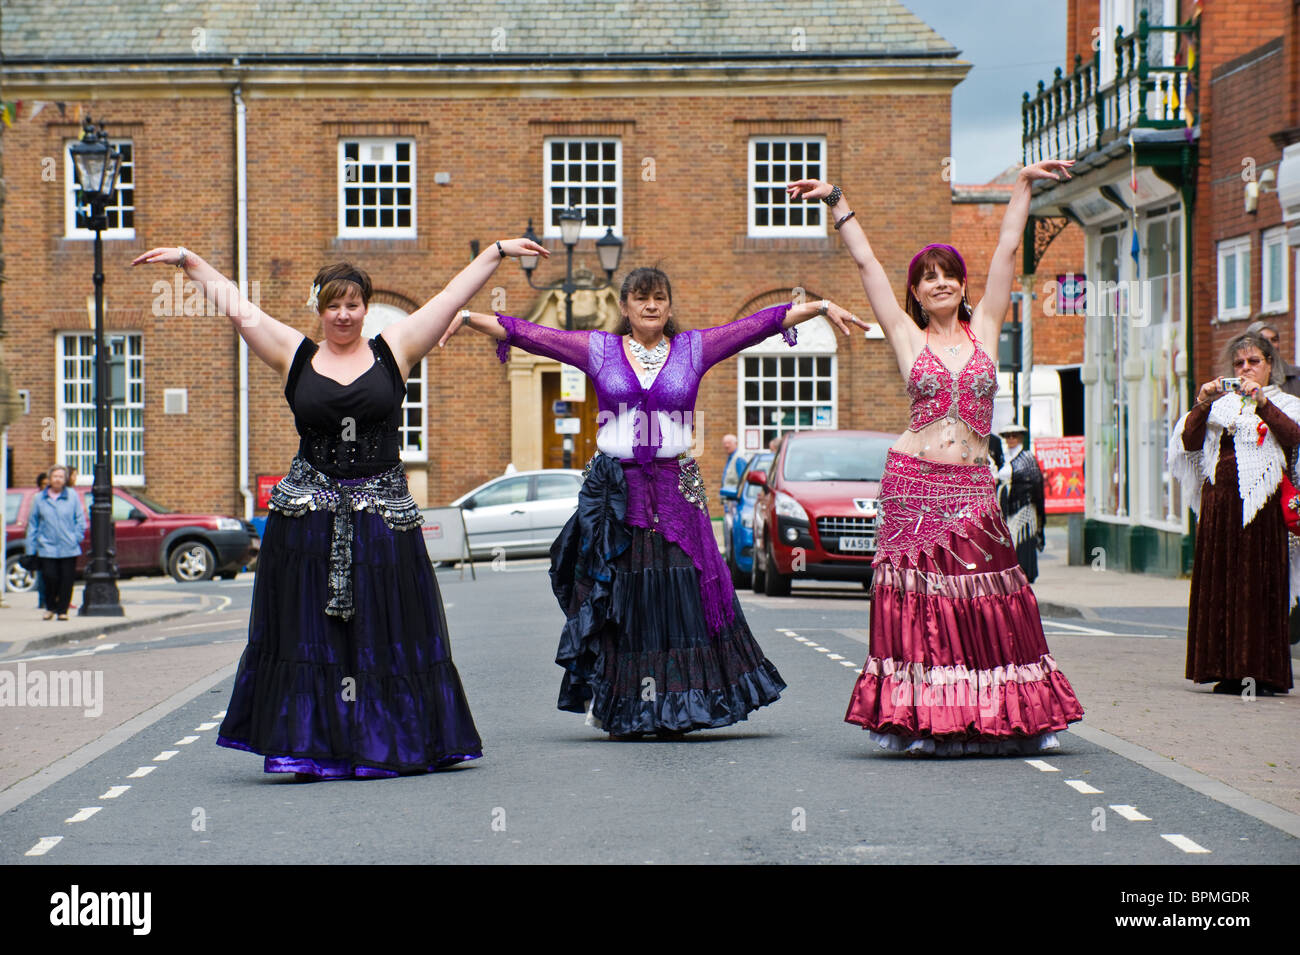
[[1152, 87]]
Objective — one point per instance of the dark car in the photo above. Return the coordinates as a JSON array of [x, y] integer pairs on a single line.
[[816, 516], [150, 539], [738, 527]]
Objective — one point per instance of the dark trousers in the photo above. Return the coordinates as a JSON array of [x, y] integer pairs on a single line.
[[60, 574]]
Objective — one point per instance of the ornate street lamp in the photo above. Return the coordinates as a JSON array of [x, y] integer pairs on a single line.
[[609, 248], [97, 163]]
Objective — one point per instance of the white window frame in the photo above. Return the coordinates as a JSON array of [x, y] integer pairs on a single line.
[[71, 190], [785, 231], [1239, 250], [1273, 239], [128, 416], [816, 340], [550, 229], [350, 177], [413, 439]]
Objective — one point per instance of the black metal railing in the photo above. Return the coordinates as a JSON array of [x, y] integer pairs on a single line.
[[1152, 86]]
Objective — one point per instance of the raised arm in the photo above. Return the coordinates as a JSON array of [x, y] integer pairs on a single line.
[[411, 338], [722, 341], [875, 282], [992, 308], [273, 342]]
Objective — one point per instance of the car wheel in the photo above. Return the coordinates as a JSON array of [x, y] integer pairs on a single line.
[[18, 579], [758, 579], [775, 583], [191, 561]]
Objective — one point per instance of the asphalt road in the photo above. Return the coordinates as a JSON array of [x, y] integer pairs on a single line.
[[792, 784]]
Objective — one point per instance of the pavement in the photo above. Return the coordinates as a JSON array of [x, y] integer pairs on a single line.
[[24, 629]]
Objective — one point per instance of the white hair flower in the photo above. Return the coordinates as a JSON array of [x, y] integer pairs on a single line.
[[313, 303]]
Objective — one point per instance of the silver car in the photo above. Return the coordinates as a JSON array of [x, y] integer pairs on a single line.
[[519, 514]]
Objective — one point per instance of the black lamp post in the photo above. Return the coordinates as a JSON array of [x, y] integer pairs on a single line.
[[97, 164], [609, 248]]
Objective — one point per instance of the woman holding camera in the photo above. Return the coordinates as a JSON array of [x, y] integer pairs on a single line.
[[1229, 453]]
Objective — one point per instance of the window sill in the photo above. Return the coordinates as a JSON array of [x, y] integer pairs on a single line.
[[416, 243], [749, 243]]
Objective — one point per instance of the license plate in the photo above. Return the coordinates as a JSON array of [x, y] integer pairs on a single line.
[[857, 543]]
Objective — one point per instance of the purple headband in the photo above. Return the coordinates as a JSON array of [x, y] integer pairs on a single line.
[[935, 245]]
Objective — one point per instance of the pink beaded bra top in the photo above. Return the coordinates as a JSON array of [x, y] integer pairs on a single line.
[[934, 390]]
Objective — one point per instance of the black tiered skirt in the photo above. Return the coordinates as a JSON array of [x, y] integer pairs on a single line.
[[635, 646], [376, 695]]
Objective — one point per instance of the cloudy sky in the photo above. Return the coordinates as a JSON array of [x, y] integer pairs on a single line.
[[1011, 44]]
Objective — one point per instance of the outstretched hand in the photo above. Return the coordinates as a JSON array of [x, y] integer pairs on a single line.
[[809, 189], [517, 248], [841, 318], [1048, 169], [163, 255]]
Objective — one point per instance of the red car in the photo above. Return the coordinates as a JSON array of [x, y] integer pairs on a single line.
[[150, 539], [816, 517]]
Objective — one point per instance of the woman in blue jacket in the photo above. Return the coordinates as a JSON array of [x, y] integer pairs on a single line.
[[55, 529]]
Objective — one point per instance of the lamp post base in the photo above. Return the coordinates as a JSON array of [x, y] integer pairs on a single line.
[[101, 599]]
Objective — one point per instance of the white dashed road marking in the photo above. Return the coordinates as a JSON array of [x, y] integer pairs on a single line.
[[1130, 813], [1078, 785], [204, 727], [83, 814], [1042, 765], [185, 740], [141, 772], [115, 791], [1182, 842], [45, 845], [165, 755]]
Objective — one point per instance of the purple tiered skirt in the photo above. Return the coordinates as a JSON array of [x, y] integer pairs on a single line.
[[957, 662], [374, 696], [654, 639]]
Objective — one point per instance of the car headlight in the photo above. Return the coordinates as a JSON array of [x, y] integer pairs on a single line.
[[229, 524], [786, 506]]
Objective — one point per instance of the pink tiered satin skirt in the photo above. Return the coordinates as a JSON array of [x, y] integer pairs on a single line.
[[957, 662]]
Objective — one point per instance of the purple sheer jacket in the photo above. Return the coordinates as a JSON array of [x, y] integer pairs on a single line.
[[655, 501]]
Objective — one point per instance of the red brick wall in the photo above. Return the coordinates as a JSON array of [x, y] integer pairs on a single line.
[[690, 220]]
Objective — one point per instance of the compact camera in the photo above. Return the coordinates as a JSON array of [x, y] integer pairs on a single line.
[[1231, 384]]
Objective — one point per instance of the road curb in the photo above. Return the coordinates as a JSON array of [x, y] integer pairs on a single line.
[[1048, 609], [67, 636]]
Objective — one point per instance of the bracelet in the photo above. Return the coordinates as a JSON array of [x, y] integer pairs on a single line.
[[834, 197], [843, 220], [501, 250], [464, 315], [826, 304]]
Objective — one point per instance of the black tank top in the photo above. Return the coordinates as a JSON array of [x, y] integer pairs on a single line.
[[347, 431]]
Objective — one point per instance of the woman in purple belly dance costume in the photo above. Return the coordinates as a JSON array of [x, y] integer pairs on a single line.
[[348, 669], [957, 662], [654, 639]]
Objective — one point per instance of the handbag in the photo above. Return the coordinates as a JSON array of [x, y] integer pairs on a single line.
[[1290, 504], [31, 563]]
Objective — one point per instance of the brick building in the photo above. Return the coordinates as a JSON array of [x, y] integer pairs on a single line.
[[1175, 111], [399, 139]]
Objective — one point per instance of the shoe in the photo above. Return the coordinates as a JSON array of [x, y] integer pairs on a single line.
[[624, 737], [1229, 687], [63, 616], [49, 615]]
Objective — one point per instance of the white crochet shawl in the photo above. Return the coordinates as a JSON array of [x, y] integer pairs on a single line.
[[1259, 466]]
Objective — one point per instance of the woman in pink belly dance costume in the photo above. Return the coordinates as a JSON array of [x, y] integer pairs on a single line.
[[957, 662]]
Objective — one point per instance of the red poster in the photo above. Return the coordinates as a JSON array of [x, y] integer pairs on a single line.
[[1061, 461], [265, 482]]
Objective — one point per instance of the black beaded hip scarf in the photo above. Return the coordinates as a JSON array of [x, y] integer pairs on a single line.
[[305, 489]]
